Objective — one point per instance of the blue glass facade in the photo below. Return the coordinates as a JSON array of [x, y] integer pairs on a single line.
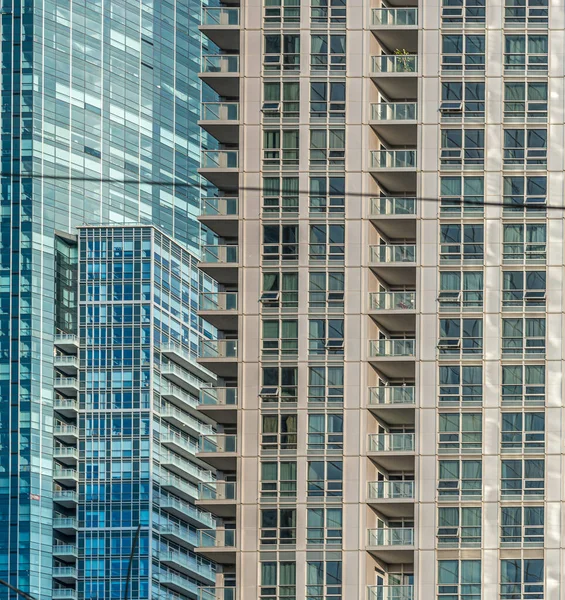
[[96, 95]]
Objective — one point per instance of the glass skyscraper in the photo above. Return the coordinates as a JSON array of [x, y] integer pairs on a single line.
[[96, 97]]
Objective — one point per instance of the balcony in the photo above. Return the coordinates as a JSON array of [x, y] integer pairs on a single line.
[[396, 75], [394, 404], [177, 485], [64, 594], [184, 468], [181, 378], [67, 386], [393, 545], [394, 264], [392, 451], [65, 525], [221, 121], [67, 365], [219, 450], [221, 25], [67, 455], [65, 574], [68, 434], [221, 262], [395, 122], [180, 584], [67, 342], [188, 565], [66, 498], [216, 593], [66, 552], [67, 477], [217, 545], [221, 73], [67, 407], [394, 499], [219, 309], [219, 356], [394, 311], [183, 420], [219, 403], [220, 214], [394, 216], [186, 511], [221, 168], [180, 355], [219, 498], [180, 444], [390, 592], [394, 358], [183, 536], [394, 169]]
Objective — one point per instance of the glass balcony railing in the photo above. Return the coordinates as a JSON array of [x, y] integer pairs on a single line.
[[220, 159], [218, 349], [224, 206], [393, 159], [69, 338], [395, 63], [215, 593], [187, 509], [188, 562], [220, 254], [64, 572], [168, 411], [66, 494], [220, 111], [216, 538], [395, 17], [218, 396], [65, 403], [392, 348], [220, 63], [64, 361], [218, 443], [167, 479], [391, 394], [65, 430], [392, 301], [220, 490], [390, 592], [71, 382], [220, 16], [392, 253], [64, 549], [391, 442], [181, 441], [169, 459], [64, 594], [391, 536], [394, 111], [62, 451], [392, 205], [391, 490], [218, 301], [65, 522]]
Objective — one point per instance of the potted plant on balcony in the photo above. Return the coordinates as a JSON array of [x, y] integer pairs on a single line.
[[404, 64]]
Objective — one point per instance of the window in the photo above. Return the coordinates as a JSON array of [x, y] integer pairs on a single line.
[[460, 290], [459, 527], [327, 148], [523, 337], [525, 195], [462, 101], [278, 581], [280, 338], [463, 53], [324, 526], [459, 580], [525, 53], [325, 385], [523, 479], [278, 432], [523, 290], [525, 148], [281, 100], [323, 580], [526, 12], [282, 11], [327, 243], [460, 336], [525, 102], [462, 196], [325, 432], [460, 385], [327, 195], [523, 432], [461, 243], [327, 51], [280, 196], [280, 290], [524, 243], [282, 52], [521, 579], [279, 385], [460, 432], [278, 480], [462, 148], [280, 243], [325, 336], [455, 13], [325, 478], [522, 527], [280, 148], [523, 385], [278, 526], [328, 12], [326, 291], [327, 100], [460, 479]]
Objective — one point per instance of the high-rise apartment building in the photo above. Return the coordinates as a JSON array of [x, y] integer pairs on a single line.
[[390, 269]]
